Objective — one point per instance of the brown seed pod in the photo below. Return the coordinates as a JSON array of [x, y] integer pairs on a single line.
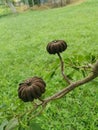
[[56, 46], [31, 89]]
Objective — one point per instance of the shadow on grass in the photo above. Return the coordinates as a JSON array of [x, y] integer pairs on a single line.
[[6, 15]]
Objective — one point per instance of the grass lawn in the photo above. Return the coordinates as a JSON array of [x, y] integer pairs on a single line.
[[23, 41]]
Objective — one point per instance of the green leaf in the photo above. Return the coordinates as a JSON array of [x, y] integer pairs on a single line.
[[13, 123], [34, 126], [4, 123]]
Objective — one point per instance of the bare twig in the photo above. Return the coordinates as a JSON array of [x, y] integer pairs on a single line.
[[62, 69], [88, 66], [71, 86]]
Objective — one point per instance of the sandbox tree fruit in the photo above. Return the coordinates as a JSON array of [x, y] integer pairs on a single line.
[[56, 46], [31, 89]]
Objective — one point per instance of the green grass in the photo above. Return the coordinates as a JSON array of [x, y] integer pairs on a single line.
[[23, 41]]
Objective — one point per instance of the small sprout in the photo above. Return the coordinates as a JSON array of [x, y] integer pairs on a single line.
[[56, 46], [31, 89]]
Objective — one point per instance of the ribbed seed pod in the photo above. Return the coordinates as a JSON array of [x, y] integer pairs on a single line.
[[31, 89], [56, 46]]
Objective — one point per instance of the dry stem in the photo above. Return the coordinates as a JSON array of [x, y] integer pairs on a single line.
[[62, 69], [73, 85], [70, 87]]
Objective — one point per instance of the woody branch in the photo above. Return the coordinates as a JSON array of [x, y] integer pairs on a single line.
[[70, 87], [75, 84]]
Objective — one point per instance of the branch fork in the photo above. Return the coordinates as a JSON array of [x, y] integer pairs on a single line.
[[70, 87]]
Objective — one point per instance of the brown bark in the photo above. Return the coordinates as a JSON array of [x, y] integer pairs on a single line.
[[12, 7]]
